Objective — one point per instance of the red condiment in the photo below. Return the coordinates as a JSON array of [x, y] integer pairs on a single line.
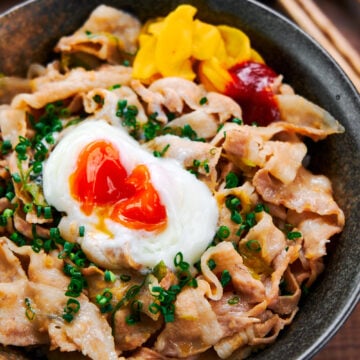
[[100, 183], [251, 88]]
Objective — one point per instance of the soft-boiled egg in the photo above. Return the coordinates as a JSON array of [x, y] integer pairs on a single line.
[[136, 209]]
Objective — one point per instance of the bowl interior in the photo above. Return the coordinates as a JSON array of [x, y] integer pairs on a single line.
[[34, 28]]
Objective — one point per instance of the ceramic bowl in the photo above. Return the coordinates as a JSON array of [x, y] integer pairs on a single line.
[[28, 33]]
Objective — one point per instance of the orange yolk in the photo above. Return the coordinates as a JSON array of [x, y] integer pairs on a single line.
[[100, 183]]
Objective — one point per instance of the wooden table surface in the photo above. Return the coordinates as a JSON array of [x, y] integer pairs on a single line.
[[345, 345]]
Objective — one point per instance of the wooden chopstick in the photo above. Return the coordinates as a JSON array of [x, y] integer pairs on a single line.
[[311, 19]]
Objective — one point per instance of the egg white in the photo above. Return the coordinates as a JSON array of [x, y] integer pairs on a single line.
[[192, 212]]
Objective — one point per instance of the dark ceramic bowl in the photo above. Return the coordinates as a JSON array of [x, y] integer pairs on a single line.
[[28, 33]]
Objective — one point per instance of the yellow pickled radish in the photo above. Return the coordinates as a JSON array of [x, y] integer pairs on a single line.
[[206, 40], [213, 75], [174, 44], [237, 45], [255, 56], [144, 66]]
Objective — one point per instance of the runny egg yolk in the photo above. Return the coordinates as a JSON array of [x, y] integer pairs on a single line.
[[101, 184]]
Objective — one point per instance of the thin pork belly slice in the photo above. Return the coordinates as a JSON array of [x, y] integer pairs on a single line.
[[195, 328], [247, 147], [106, 34], [307, 192], [227, 258], [74, 82]]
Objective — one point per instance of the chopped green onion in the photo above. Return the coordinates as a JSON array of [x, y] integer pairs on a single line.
[[109, 276], [236, 217], [223, 232], [28, 208], [9, 195], [192, 283], [160, 270], [250, 220], [72, 306], [203, 100], [68, 317], [98, 99], [37, 245], [104, 298], [18, 239], [231, 180], [154, 308], [21, 148], [225, 278], [29, 311], [178, 258], [206, 166], [75, 287], [81, 231], [260, 208], [125, 277], [3, 220], [237, 121], [115, 86], [134, 317], [50, 139], [220, 127], [8, 213], [47, 212], [16, 177], [121, 105], [5, 147], [253, 245], [211, 264], [234, 300], [292, 235], [162, 152], [232, 203], [37, 167]]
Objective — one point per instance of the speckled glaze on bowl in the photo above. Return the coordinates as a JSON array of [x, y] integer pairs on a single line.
[[28, 33]]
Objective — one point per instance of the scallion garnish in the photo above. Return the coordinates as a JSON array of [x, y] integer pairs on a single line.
[[81, 231], [9, 195], [236, 217], [5, 147], [211, 264], [72, 307], [125, 277], [16, 177], [29, 311], [234, 300], [223, 232], [237, 121], [203, 100], [261, 207], [98, 99], [135, 309], [253, 245], [109, 276], [231, 180], [232, 203], [225, 278], [161, 153], [292, 235], [115, 86]]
